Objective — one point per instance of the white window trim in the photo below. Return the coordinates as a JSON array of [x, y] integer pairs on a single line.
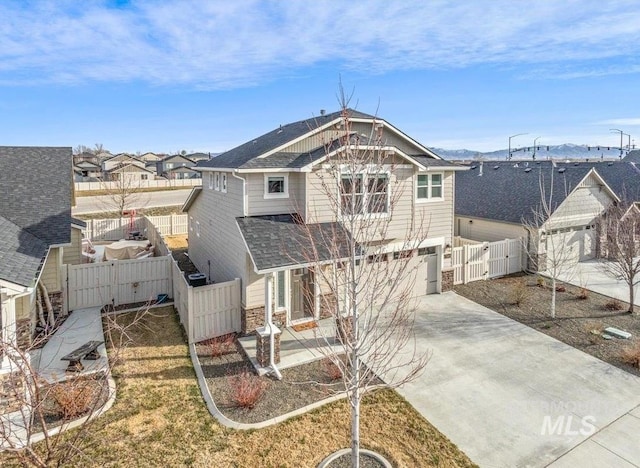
[[216, 181], [223, 182], [366, 174], [429, 198], [210, 180], [191, 223], [198, 228], [285, 194]]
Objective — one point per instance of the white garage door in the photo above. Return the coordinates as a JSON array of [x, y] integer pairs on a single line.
[[579, 243], [427, 274]]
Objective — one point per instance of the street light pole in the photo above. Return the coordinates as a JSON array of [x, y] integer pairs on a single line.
[[621, 134], [535, 140], [513, 136]]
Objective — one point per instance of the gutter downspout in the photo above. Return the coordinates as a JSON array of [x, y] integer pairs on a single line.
[[269, 322], [244, 192]]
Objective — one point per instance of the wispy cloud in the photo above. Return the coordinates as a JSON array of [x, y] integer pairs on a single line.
[[622, 122], [239, 43]]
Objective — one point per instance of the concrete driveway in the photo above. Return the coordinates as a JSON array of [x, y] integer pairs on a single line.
[[510, 396], [591, 275]]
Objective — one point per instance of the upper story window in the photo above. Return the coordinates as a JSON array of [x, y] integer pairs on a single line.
[[364, 194], [223, 182], [216, 181], [169, 165], [429, 187], [276, 186], [210, 178]]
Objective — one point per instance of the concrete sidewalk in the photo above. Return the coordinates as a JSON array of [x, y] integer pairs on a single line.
[[510, 396], [81, 326]]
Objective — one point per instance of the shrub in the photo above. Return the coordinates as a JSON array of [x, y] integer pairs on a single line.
[[613, 304], [331, 370], [583, 294], [75, 397], [540, 282], [246, 388], [631, 354], [561, 289], [519, 293], [221, 345], [594, 329]]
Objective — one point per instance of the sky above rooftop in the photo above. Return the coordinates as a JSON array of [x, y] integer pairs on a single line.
[[208, 75]]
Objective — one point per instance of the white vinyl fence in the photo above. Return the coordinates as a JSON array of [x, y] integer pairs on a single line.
[[206, 311], [119, 228], [118, 282], [474, 262], [143, 184]]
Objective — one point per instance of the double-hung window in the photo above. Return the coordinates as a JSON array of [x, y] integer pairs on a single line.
[[216, 181], [210, 178], [223, 182], [429, 187], [364, 193]]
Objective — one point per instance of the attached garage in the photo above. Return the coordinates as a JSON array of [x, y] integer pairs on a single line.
[[577, 243]]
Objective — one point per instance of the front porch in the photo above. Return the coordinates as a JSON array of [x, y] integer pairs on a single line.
[[298, 347]]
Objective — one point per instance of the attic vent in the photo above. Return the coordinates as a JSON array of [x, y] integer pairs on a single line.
[[495, 168], [255, 141], [562, 169], [609, 164], [515, 165], [473, 167], [576, 164], [280, 129], [528, 169]]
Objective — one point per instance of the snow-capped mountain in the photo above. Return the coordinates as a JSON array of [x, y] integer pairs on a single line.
[[564, 151]]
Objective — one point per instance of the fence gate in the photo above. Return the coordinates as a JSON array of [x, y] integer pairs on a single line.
[[473, 262]]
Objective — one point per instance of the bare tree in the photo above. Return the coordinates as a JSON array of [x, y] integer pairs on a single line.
[[549, 242], [121, 193], [38, 411], [366, 281], [621, 227]]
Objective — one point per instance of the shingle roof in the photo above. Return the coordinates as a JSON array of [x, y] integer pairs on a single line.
[[21, 254], [241, 155], [36, 198], [511, 192], [623, 177], [279, 241], [632, 156]]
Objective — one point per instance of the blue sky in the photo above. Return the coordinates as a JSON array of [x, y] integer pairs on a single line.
[[208, 75]]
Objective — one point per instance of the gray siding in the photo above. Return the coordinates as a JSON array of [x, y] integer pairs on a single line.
[[583, 206], [487, 231], [219, 250], [259, 205]]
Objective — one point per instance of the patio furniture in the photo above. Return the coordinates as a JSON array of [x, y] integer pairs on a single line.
[[86, 351]]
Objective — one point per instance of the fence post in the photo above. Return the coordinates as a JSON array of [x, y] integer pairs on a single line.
[[465, 263], [190, 325], [485, 260]]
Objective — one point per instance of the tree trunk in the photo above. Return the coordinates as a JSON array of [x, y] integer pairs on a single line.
[[47, 302], [553, 298], [355, 421], [632, 307]]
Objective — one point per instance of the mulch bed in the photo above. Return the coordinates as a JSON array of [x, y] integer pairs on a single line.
[[577, 320], [299, 387]]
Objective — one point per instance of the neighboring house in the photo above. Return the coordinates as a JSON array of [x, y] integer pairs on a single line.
[[257, 199], [120, 160], [129, 173], [37, 236], [164, 166], [150, 157], [151, 167], [197, 157], [87, 171], [623, 177], [497, 200], [182, 172], [86, 157]]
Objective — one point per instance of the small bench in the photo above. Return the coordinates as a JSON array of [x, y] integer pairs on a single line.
[[87, 351]]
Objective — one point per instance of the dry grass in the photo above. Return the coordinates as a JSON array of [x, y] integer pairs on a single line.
[[160, 419], [631, 354], [176, 242]]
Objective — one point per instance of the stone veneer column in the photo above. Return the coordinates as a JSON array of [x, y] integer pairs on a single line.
[[447, 280], [263, 346]]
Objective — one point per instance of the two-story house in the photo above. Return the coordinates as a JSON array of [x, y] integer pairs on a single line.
[[176, 166], [260, 200]]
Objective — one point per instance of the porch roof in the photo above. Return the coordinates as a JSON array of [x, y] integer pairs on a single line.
[[278, 241]]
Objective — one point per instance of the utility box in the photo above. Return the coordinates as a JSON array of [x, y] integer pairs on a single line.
[[197, 279]]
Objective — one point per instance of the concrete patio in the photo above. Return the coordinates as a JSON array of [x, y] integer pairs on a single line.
[[297, 348]]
